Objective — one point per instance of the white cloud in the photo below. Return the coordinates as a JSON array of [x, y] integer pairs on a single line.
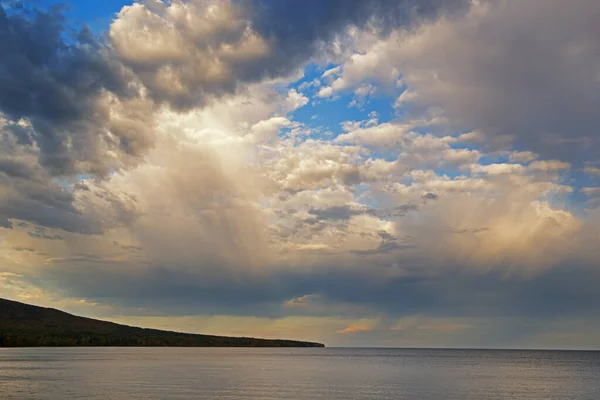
[[522, 156], [406, 97], [331, 72], [385, 134], [592, 171], [548, 166], [309, 84], [591, 191], [498, 169], [267, 129], [295, 100], [325, 91]]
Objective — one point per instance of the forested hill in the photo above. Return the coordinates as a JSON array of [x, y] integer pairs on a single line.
[[23, 325]]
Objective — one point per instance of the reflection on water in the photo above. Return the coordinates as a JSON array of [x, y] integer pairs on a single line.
[[211, 373]]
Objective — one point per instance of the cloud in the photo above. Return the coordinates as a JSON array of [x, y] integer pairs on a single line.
[[198, 50], [186, 53], [522, 156], [592, 171], [429, 325], [295, 100], [221, 236], [67, 108], [355, 329], [41, 233], [499, 68], [172, 179], [325, 92], [385, 134], [296, 28], [338, 213], [266, 129], [591, 191], [43, 203], [59, 95]]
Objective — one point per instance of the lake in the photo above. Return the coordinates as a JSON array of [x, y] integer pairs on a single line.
[[307, 373]]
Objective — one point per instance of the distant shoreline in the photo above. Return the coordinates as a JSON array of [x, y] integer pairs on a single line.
[[23, 325]]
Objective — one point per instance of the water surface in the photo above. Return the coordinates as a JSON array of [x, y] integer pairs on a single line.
[[313, 373]]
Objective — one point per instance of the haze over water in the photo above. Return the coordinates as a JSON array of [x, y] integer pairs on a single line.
[[330, 373]]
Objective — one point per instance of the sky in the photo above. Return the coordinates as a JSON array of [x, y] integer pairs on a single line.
[[390, 173]]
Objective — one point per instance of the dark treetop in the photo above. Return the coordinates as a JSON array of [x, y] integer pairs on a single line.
[[23, 325]]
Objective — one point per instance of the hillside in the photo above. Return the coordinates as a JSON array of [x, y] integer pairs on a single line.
[[23, 325]]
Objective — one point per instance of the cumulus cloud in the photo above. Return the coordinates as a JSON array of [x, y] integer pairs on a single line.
[[266, 129], [187, 52], [381, 135], [295, 100]]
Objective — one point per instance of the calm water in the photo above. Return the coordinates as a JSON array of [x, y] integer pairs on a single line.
[[201, 373]]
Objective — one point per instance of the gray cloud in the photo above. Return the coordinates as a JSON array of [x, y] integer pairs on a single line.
[[296, 26], [27, 249], [60, 88], [523, 68], [385, 246], [430, 196], [32, 196], [67, 107], [29, 193], [39, 232], [15, 168], [343, 213], [569, 290], [468, 231]]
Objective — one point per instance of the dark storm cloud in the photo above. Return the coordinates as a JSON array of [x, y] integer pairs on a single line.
[[297, 25], [56, 85], [51, 214], [175, 290], [568, 290]]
